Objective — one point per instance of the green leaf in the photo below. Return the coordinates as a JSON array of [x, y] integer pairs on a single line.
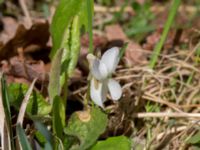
[[122, 50], [64, 14], [40, 138], [43, 130], [43, 136], [6, 123], [75, 45], [54, 79], [137, 7], [58, 114], [48, 146], [87, 126], [37, 105], [113, 143], [22, 138], [65, 32], [83, 14], [6, 99], [194, 139], [69, 141], [65, 56]]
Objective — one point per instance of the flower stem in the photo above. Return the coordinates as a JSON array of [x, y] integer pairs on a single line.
[[89, 12]]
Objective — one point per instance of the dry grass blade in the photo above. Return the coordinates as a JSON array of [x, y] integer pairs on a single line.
[[166, 114], [24, 103], [153, 98], [4, 130], [155, 9], [173, 130]]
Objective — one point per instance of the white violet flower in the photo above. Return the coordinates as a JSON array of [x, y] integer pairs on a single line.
[[101, 81]]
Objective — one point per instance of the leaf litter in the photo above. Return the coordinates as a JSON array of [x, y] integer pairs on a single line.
[[171, 88]]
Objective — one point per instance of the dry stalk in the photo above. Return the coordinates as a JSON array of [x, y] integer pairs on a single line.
[[166, 114], [24, 103], [128, 9], [153, 98]]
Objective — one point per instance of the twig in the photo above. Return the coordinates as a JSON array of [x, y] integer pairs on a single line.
[[79, 90], [26, 12], [189, 105]]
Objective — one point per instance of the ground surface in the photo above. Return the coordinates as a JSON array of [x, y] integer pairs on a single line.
[[160, 107]]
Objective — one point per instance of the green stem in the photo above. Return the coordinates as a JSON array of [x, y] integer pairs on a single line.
[[89, 12], [87, 97], [90, 20], [167, 26], [65, 90]]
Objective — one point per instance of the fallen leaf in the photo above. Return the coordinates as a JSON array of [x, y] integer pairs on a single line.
[[98, 40], [9, 29], [28, 69], [115, 32], [5, 68], [154, 38], [133, 53], [38, 34]]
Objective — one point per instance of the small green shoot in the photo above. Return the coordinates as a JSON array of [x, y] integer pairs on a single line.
[[168, 24], [122, 50]]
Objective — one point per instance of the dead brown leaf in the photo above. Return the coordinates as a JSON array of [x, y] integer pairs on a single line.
[[9, 28], [28, 69], [133, 53], [38, 35], [115, 32], [98, 40]]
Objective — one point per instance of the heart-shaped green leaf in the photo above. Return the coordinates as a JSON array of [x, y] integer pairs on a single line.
[[113, 143], [87, 126]]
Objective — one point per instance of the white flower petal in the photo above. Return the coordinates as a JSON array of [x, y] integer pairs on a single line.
[[95, 70], [114, 89], [98, 91], [103, 70], [111, 58]]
